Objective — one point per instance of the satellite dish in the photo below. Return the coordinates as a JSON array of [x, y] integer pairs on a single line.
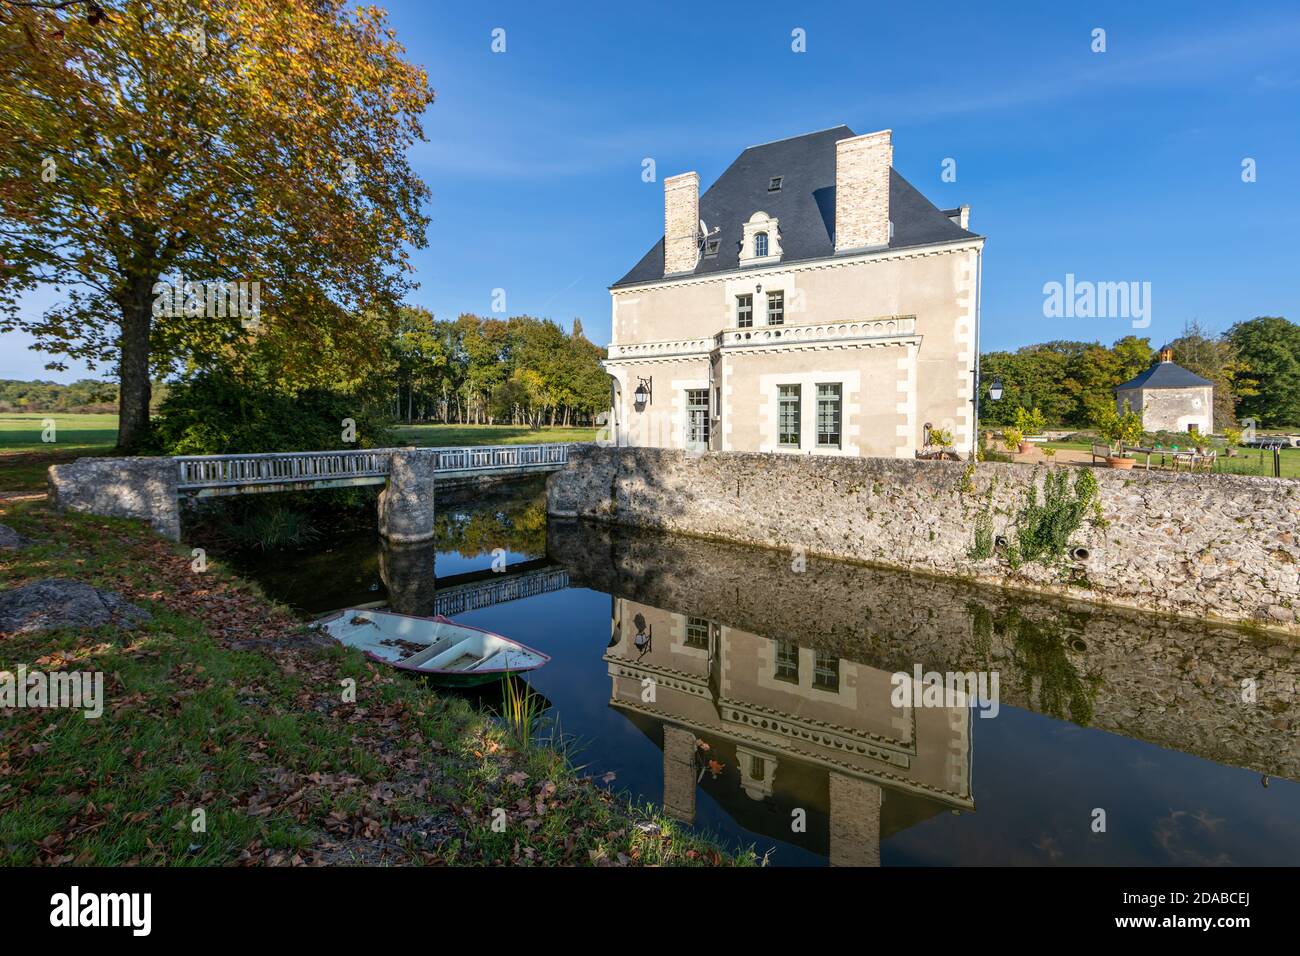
[[705, 234]]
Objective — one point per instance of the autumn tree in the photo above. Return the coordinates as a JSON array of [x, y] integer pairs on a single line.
[[208, 141]]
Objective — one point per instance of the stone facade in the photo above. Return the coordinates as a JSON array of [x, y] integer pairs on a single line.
[[120, 488], [1171, 409], [1207, 546], [894, 330], [862, 165]]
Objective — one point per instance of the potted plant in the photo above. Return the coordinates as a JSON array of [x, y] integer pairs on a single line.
[[1014, 439], [1233, 437], [1029, 421], [1120, 430]]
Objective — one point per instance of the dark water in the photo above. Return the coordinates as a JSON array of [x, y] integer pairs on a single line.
[[770, 720]]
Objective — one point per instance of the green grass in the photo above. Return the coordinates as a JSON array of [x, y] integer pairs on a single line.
[[224, 703], [441, 436]]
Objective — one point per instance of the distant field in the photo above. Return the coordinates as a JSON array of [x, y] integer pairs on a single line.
[[24, 457], [22, 431]]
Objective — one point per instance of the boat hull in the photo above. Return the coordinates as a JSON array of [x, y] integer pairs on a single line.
[[445, 653]]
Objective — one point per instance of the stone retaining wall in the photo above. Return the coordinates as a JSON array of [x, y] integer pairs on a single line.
[[1208, 546]]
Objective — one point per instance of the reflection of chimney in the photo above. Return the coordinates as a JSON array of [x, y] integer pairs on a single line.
[[681, 223], [862, 165], [855, 821], [1166, 354], [679, 773]]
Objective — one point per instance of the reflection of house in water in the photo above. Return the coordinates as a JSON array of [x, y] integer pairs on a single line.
[[796, 728]]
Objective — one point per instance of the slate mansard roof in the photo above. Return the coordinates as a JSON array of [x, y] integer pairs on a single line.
[[804, 207], [1165, 375]]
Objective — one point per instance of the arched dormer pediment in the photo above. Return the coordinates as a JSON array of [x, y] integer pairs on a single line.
[[761, 241]]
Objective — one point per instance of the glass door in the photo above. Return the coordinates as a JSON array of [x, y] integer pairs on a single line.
[[697, 419]]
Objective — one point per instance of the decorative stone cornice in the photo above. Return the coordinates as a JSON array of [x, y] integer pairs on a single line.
[[848, 334], [860, 742], [805, 265]]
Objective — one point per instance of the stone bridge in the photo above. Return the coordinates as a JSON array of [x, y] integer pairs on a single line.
[[153, 488]]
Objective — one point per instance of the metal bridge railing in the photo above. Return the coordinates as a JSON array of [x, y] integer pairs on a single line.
[[473, 458], [223, 471]]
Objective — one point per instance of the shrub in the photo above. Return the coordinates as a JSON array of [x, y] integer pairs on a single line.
[[213, 413], [1030, 421], [1119, 430], [1012, 437]]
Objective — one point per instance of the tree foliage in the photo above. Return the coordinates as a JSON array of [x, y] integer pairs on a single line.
[[1268, 372], [520, 370], [208, 140], [1068, 381]]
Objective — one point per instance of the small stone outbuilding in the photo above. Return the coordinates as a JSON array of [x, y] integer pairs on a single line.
[[1169, 398]]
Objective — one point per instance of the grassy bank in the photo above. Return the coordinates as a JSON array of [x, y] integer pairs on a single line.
[[25, 456], [224, 704]]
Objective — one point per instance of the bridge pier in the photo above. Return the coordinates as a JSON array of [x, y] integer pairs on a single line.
[[407, 571], [406, 505]]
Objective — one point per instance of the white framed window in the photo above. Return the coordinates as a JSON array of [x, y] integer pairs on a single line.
[[776, 308], [760, 245], [787, 662], [744, 311], [829, 408]]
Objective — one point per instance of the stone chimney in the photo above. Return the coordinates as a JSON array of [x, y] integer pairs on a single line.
[[681, 223], [862, 165]]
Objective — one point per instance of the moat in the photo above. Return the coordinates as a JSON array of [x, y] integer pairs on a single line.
[[753, 700]]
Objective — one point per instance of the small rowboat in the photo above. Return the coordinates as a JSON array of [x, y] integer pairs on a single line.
[[451, 654]]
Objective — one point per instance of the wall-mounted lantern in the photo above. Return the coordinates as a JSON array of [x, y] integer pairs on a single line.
[[644, 638], [995, 390], [644, 393]]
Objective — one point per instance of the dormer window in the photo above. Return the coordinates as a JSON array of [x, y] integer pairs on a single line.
[[761, 242], [774, 184]]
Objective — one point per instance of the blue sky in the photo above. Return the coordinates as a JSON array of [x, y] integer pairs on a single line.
[[1115, 166]]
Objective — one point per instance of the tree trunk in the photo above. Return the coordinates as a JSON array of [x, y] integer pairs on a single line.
[[133, 370]]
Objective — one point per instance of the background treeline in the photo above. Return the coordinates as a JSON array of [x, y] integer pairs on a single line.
[[1254, 365], [476, 370], [85, 395]]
